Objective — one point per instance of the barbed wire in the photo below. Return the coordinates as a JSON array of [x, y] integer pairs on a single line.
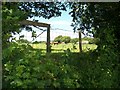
[[54, 33], [60, 29]]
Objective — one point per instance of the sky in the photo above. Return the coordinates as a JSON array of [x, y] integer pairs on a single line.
[[59, 26]]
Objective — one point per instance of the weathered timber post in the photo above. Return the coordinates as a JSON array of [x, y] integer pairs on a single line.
[[48, 39], [80, 42], [27, 22]]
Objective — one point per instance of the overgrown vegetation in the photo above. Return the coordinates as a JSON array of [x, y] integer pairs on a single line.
[[65, 39], [32, 70], [26, 67]]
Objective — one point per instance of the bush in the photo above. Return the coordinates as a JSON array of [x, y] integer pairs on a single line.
[[94, 41], [23, 41], [25, 69], [36, 42], [30, 73]]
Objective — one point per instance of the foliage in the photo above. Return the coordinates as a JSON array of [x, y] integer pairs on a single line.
[[66, 39], [30, 71], [94, 41], [61, 38], [10, 17], [58, 38], [91, 40], [43, 9], [87, 38], [36, 42], [55, 70], [22, 41], [100, 19], [74, 40]]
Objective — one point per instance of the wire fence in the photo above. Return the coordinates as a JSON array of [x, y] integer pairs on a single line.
[[41, 34]]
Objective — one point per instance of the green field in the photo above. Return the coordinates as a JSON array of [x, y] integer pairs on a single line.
[[62, 47]]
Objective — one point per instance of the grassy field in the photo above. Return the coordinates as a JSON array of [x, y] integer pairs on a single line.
[[62, 47]]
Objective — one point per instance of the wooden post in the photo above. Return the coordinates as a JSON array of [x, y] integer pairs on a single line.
[[80, 42], [48, 39], [27, 22]]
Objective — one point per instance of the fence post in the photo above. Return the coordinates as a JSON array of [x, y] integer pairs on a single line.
[[48, 39], [80, 42]]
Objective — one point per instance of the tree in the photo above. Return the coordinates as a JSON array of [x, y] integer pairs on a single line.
[[102, 17], [10, 17], [66, 39], [74, 40], [61, 38], [91, 40], [102, 20], [58, 38]]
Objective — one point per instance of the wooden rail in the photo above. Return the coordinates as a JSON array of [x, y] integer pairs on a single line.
[[40, 24]]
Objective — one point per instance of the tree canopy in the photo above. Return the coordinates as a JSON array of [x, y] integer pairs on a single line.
[[101, 19], [60, 38]]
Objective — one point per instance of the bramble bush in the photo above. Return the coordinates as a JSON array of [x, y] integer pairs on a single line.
[[26, 69]]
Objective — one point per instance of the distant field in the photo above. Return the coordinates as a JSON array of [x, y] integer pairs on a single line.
[[62, 47]]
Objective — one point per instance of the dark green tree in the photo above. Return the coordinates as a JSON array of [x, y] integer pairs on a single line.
[[61, 38], [58, 38], [102, 20], [66, 39], [74, 40]]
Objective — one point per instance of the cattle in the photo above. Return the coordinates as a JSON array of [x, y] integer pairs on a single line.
[[54, 43]]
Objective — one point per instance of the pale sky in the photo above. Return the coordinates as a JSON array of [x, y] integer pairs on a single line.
[[62, 22]]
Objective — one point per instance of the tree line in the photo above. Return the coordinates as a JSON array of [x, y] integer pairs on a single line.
[[68, 39]]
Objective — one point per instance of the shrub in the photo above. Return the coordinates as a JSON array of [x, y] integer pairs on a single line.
[[94, 41], [26, 69]]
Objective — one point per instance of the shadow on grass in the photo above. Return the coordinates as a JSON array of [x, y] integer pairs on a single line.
[[52, 50], [60, 54]]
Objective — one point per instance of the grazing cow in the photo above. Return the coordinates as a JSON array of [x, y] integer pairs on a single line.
[[55, 43]]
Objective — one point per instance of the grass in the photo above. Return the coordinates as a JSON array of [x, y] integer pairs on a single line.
[[63, 47]]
